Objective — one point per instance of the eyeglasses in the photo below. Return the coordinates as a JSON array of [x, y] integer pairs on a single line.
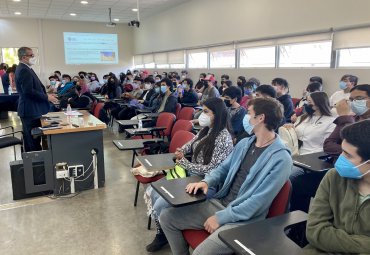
[[358, 98], [31, 55]]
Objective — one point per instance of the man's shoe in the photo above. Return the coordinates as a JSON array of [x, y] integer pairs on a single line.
[[159, 241]]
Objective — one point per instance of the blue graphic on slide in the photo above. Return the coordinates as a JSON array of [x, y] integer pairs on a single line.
[[90, 48]]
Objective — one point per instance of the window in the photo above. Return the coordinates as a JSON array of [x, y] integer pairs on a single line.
[[178, 66], [10, 56], [163, 66], [257, 57], [197, 60], [358, 57], [222, 59], [316, 54], [139, 66], [150, 65]]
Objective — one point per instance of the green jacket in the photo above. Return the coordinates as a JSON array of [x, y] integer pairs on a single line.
[[337, 223]]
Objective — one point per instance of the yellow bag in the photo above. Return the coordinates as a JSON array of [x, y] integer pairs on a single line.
[[176, 173]]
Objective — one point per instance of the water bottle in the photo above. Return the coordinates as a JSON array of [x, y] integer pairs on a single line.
[[69, 109], [140, 124]]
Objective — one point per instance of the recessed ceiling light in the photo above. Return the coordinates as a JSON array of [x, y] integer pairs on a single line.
[[18, 13], [16, 0], [73, 14], [84, 2], [134, 10], [116, 19]]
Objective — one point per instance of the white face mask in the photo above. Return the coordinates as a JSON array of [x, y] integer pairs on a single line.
[[32, 61], [204, 120], [147, 86]]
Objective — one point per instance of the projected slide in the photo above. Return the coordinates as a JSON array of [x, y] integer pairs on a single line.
[[90, 48]]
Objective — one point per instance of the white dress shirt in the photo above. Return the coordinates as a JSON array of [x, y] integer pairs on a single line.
[[337, 96]]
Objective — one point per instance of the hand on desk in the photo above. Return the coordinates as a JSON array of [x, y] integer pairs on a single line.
[[194, 187], [211, 224]]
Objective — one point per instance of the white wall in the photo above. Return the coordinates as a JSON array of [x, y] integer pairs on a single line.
[[47, 36], [204, 22]]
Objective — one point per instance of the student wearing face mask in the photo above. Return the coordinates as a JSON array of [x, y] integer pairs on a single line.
[[209, 148], [82, 97], [312, 128], [136, 92], [187, 95], [347, 82], [232, 98], [199, 87], [241, 82], [338, 220], [358, 103], [249, 179], [93, 83], [210, 90], [53, 84], [282, 91]]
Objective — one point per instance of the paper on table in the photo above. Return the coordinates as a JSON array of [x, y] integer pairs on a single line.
[[73, 113]]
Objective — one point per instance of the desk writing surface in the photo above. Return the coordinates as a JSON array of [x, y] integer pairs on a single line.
[[90, 123], [137, 131], [265, 237], [129, 122], [312, 162], [133, 144], [157, 162], [173, 191]]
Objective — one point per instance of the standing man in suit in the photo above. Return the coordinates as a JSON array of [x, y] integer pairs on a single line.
[[33, 100]]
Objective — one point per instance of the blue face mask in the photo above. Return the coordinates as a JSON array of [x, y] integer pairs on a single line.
[[64, 81], [248, 127], [53, 83], [163, 89], [247, 92], [157, 90], [342, 85], [347, 169], [359, 107]]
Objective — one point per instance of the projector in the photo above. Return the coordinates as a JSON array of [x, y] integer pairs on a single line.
[[134, 23], [111, 24]]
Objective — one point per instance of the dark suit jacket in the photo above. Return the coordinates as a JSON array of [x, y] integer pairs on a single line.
[[33, 100]]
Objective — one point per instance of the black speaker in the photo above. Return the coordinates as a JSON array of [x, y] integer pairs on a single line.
[[18, 184]]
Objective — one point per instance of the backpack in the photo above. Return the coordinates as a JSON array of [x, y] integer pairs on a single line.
[[290, 139]]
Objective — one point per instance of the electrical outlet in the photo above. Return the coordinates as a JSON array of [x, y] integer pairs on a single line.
[[62, 174], [80, 170], [77, 170]]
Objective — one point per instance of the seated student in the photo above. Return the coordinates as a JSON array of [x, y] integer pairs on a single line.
[[231, 97], [360, 105], [316, 79], [249, 179], [82, 97], [241, 82], [209, 89], [136, 92], [94, 83], [187, 94], [210, 147], [53, 85], [199, 87], [282, 91], [66, 84], [299, 107], [224, 85], [312, 128], [338, 220], [113, 90], [248, 90], [347, 82], [148, 89]]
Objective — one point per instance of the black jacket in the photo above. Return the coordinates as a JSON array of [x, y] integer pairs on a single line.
[[286, 101]]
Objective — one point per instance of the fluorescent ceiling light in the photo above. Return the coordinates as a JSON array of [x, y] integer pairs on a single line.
[[116, 19], [84, 2], [16, 0], [73, 14], [18, 13], [134, 10]]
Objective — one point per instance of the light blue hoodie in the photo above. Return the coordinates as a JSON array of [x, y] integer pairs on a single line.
[[264, 181]]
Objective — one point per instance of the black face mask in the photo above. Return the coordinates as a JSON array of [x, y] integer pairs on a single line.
[[308, 108], [239, 83], [227, 102], [78, 88]]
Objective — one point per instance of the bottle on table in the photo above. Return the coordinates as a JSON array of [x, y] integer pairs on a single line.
[[69, 109], [140, 124]]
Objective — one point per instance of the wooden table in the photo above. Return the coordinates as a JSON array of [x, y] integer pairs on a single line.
[[173, 191], [265, 237], [73, 145]]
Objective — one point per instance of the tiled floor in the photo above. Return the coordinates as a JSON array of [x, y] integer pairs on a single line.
[[102, 221]]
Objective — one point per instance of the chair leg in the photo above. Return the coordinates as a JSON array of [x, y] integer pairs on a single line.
[[149, 222], [137, 192], [15, 153]]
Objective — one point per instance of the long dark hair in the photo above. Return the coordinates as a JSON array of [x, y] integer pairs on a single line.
[[221, 121], [321, 101]]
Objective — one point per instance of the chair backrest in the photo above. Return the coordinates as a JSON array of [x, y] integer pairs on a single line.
[[186, 113], [97, 109], [185, 125], [179, 139], [166, 119], [178, 109], [280, 203]]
